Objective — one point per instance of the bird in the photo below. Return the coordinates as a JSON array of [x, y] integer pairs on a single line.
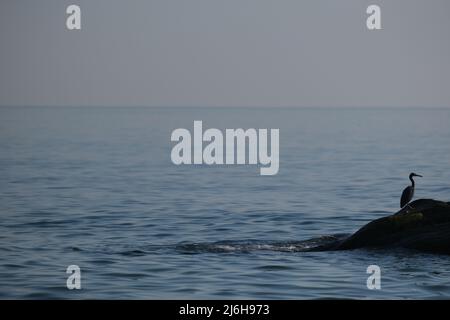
[[408, 193]]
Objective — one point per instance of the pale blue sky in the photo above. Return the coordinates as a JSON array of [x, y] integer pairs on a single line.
[[225, 53]]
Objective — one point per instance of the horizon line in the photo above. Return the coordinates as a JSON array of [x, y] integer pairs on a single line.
[[225, 106]]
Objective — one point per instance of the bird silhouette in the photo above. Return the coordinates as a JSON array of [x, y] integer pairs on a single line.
[[408, 193]]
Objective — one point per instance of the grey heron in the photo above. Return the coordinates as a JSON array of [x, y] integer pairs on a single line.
[[408, 193]]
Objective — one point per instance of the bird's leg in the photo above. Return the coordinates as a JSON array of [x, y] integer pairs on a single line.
[[408, 205]]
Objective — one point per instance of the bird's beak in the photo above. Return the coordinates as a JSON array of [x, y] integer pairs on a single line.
[[418, 175]]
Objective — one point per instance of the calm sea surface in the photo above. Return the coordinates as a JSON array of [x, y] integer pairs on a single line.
[[95, 187]]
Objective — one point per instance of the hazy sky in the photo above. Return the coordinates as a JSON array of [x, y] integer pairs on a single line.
[[225, 53]]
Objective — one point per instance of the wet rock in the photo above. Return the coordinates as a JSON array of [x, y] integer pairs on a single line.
[[424, 226]]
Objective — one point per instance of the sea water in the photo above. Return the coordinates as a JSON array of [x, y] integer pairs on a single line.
[[96, 187]]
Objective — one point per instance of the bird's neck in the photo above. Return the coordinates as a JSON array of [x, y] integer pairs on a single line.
[[412, 181]]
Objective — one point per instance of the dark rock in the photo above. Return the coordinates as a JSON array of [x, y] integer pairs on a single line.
[[425, 227]]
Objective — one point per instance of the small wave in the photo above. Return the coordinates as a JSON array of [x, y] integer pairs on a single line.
[[134, 253], [242, 246], [230, 246]]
